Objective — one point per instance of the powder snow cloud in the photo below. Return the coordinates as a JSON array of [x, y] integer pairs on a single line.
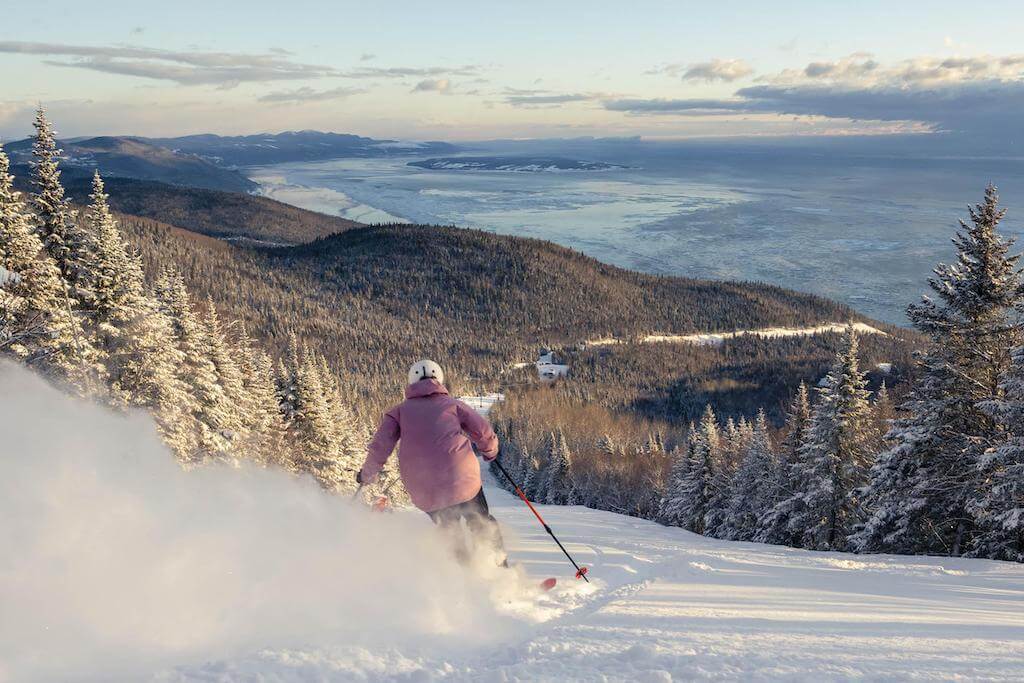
[[118, 563]]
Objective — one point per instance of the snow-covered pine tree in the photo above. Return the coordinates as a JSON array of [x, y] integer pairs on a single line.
[[884, 412], [734, 441], [670, 508], [211, 407], [559, 471], [696, 490], [312, 430], [752, 485], [37, 324], [999, 510], [229, 376], [349, 435], [71, 246], [287, 376], [532, 481], [136, 339], [922, 489], [263, 422], [791, 479], [836, 455]]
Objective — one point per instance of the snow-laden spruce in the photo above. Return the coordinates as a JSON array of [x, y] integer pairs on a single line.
[[836, 455], [37, 323], [999, 510], [925, 489], [774, 525], [67, 241], [753, 487]]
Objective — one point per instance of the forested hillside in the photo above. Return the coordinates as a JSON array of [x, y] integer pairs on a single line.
[[228, 215], [375, 299]]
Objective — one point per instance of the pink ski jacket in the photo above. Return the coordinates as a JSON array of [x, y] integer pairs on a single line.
[[435, 458]]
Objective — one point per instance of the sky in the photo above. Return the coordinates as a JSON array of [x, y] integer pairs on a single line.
[[461, 70]]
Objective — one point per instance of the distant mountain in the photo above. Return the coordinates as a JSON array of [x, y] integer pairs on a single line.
[[305, 145], [513, 164], [131, 157], [232, 216]]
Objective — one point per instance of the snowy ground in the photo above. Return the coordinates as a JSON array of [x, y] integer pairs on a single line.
[[118, 565], [669, 605]]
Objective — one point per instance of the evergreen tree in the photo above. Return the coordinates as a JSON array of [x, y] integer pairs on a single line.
[[136, 339], [752, 486], [696, 491], [774, 526], [734, 441], [349, 436], [263, 421], [229, 376], [212, 409], [836, 455], [71, 247], [558, 474], [316, 450], [670, 510], [999, 510], [923, 488], [533, 478], [37, 324]]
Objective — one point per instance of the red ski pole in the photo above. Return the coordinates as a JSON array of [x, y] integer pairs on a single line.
[[581, 572]]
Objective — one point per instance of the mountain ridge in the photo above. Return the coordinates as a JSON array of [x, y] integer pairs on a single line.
[[138, 158]]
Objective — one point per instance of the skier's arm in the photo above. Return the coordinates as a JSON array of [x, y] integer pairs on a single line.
[[479, 431], [380, 447]]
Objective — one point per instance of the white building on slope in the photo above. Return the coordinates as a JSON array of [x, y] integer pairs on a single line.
[[550, 367]]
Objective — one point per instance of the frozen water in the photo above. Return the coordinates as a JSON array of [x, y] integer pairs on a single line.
[[863, 230]]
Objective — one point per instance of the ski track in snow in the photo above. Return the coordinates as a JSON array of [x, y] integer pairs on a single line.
[[668, 605]]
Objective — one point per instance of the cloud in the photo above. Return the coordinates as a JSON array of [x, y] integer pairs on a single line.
[[727, 70], [980, 95], [978, 107], [438, 85], [692, 107], [367, 56], [416, 72], [183, 67], [861, 70], [849, 68], [307, 94], [537, 100]]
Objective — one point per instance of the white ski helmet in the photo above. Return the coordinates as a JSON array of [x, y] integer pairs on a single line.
[[425, 369]]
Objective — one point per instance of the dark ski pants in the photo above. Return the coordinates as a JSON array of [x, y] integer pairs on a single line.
[[483, 528]]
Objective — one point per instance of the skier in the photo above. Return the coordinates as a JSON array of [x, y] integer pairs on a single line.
[[436, 460]]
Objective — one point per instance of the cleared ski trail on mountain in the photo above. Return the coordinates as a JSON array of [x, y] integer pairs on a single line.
[[669, 605]]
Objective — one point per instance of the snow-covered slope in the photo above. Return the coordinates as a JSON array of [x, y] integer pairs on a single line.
[[668, 605], [119, 565]]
